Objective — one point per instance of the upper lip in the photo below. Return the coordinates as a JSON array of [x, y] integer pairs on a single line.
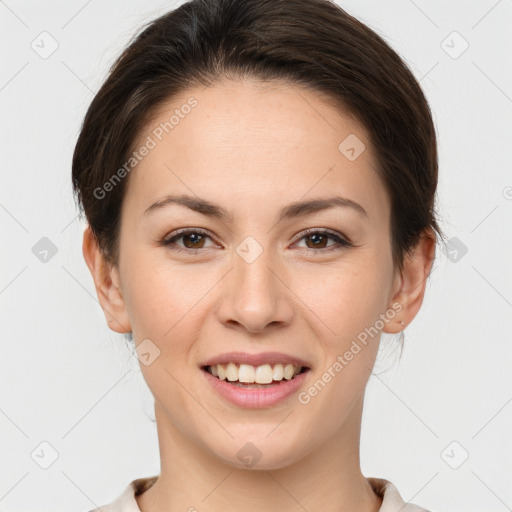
[[256, 359]]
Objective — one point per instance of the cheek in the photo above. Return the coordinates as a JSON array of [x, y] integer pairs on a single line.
[[342, 300], [163, 298], [164, 304], [350, 302], [351, 310]]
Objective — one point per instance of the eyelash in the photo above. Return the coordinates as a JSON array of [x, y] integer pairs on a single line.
[[343, 243]]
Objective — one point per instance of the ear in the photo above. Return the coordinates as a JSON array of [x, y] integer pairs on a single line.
[[107, 283], [410, 283]]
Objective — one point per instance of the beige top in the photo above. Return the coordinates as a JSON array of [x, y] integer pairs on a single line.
[[391, 499]]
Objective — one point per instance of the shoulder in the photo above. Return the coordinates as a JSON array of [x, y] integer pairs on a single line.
[[126, 501], [391, 499]]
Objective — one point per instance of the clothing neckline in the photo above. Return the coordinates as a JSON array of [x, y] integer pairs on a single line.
[[391, 498]]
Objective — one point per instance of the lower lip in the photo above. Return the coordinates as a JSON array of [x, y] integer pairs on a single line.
[[256, 398]]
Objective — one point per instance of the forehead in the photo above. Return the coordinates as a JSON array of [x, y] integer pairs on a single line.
[[254, 145]]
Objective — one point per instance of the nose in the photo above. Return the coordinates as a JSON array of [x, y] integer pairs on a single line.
[[255, 295]]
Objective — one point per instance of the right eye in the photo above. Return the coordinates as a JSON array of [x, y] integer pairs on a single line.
[[192, 239]]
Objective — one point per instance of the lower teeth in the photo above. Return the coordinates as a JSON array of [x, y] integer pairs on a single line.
[[242, 385]]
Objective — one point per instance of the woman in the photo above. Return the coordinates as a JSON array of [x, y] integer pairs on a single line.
[[259, 181]]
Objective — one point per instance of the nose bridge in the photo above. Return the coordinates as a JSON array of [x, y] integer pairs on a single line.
[[255, 297]]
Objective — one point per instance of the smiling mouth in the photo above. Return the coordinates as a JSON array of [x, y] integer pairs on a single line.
[[249, 376]]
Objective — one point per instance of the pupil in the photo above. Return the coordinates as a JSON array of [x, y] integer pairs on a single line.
[[317, 239], [195, 239]]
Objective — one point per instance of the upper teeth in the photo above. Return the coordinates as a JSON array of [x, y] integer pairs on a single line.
[[247, 373]]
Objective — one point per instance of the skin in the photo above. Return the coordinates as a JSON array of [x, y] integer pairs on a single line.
[[254, 148]]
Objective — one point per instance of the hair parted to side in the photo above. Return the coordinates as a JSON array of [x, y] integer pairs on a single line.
[[311, 43]]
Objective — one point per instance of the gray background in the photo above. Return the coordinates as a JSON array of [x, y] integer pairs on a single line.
[[72, 397]]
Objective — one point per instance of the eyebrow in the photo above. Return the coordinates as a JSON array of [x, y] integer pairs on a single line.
[[297, 209]]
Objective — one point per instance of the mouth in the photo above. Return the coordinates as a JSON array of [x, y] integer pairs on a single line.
[[249, 376]]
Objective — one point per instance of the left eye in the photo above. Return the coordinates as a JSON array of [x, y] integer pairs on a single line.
[[319, 238], [195, 239]]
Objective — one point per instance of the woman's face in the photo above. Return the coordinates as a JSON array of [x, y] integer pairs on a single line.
[[252, 282]]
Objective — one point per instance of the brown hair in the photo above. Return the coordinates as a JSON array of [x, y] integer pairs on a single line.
[[312, 43]]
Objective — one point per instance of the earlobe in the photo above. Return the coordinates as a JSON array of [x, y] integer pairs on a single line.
[[413, 281], [107, 284]]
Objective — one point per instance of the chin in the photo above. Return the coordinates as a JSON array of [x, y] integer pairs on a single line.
[[259, 452]]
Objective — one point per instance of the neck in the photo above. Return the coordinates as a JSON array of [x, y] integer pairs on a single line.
[[328, 478]]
